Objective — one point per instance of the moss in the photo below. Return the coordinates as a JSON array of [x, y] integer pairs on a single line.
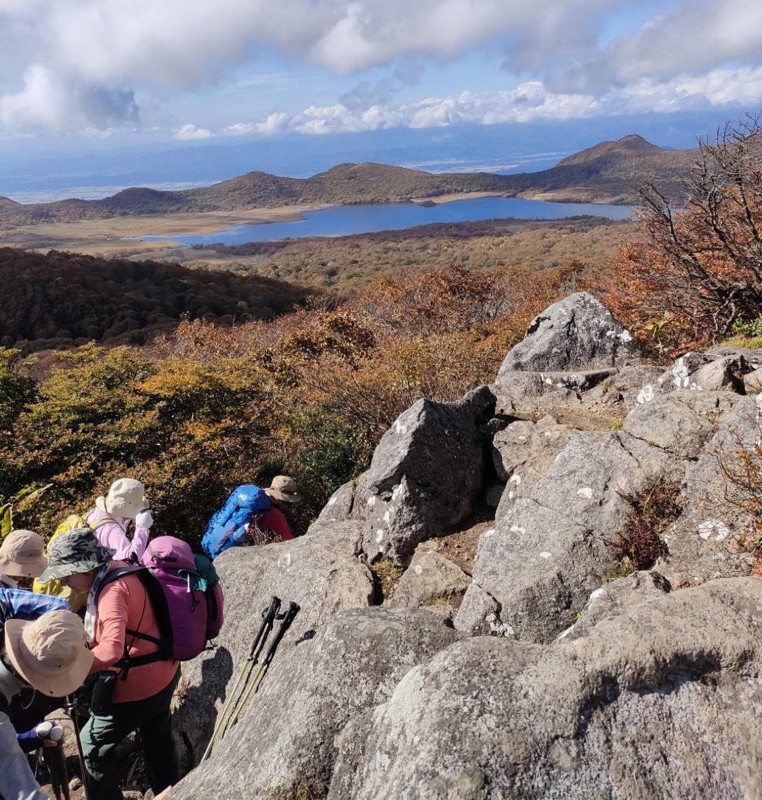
[[743, 342], [387, 575]]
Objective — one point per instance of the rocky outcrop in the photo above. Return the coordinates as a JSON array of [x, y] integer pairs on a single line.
[[662, 701], [548, 554], [426, 476], [577, 333], [433, 582], [553, 546], [576, 363], [319, 571], [522, 453], [284, 744], [614, 598], [559, 676], [707, 541]]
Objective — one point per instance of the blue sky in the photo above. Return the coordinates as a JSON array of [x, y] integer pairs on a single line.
[[196, 70]]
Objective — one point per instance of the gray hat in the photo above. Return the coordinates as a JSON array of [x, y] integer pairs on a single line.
[[74, 552]]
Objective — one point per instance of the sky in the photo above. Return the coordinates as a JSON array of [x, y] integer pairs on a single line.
[[84, 74]]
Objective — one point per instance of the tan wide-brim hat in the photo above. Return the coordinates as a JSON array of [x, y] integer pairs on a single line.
[[49, 653], [283, 488], [22, 555]]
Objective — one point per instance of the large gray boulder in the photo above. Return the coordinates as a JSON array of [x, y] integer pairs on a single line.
[[662, 701], [319, 571], [713, 536], [522, 453], [425, 477], [431, 581], [578, 333], [553, 548], [534, 573], [681, 422], [284, 744], [615, 597]]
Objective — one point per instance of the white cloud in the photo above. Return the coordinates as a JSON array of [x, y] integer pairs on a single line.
[[83, 63], [274, 123], [191, 132], [61, 103], [694, 38], [529, 102]]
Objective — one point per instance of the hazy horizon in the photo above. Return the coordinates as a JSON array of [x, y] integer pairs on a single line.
[[104, 169]]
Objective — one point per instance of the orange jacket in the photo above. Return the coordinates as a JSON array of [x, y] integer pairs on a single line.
[[124, 604]]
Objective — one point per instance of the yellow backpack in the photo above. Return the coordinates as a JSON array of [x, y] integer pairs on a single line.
[[77, 600]]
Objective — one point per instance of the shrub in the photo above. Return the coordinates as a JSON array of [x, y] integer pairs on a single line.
[[653, 509], [703, 262]]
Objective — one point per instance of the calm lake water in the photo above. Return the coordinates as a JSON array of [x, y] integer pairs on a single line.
[[346, 220]]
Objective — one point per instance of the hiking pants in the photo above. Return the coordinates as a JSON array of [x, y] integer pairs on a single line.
[[102, 733]]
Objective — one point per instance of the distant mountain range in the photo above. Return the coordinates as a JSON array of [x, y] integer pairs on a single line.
[[610, 172]]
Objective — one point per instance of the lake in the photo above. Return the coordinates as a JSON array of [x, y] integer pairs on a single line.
[[347, 220]]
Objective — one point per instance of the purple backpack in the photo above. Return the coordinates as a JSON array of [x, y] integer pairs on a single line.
[[186, 598]]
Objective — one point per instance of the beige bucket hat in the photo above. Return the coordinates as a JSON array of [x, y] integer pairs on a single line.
[[283, 488], [50, 653], [22, 555], [125, 499]]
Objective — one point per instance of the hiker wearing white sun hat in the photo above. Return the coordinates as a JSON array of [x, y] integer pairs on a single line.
[[49, 654], [124, 503]]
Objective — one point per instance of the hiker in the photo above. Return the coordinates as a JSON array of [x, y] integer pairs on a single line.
[[22, 556], [251, 515], [124, 503], [49, 655], [125, 698], [281, 490]]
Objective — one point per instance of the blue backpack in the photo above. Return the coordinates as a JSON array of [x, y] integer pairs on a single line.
[[227, 528]]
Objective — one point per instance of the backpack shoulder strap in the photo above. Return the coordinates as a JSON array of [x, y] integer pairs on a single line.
[[117, 573], [108, 520], [160, 609]]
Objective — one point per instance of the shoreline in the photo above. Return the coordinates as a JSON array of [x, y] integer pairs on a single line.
[[124, 236]]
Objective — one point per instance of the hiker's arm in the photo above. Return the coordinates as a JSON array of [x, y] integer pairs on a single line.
[[16, 778], [110, 626], [22, 604], [114, 537], [139, 541]]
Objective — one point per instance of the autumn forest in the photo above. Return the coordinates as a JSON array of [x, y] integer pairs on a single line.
[[196, 379]]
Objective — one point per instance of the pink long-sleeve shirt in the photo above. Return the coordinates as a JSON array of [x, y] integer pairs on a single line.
[[112, 535], [124, 604]]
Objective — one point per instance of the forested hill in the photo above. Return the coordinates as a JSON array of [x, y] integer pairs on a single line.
[[62, 299], [608, 172]]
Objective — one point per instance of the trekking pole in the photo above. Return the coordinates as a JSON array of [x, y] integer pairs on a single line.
[[56, 763], [269, 615], [72, 711], [285, 623]]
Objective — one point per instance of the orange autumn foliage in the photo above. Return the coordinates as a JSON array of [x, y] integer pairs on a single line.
[[694, 272]]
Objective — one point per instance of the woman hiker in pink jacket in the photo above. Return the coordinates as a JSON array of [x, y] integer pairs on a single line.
[[125, 502]]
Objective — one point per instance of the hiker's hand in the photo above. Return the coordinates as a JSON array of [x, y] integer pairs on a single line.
[[50, 733], [144, 519]]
